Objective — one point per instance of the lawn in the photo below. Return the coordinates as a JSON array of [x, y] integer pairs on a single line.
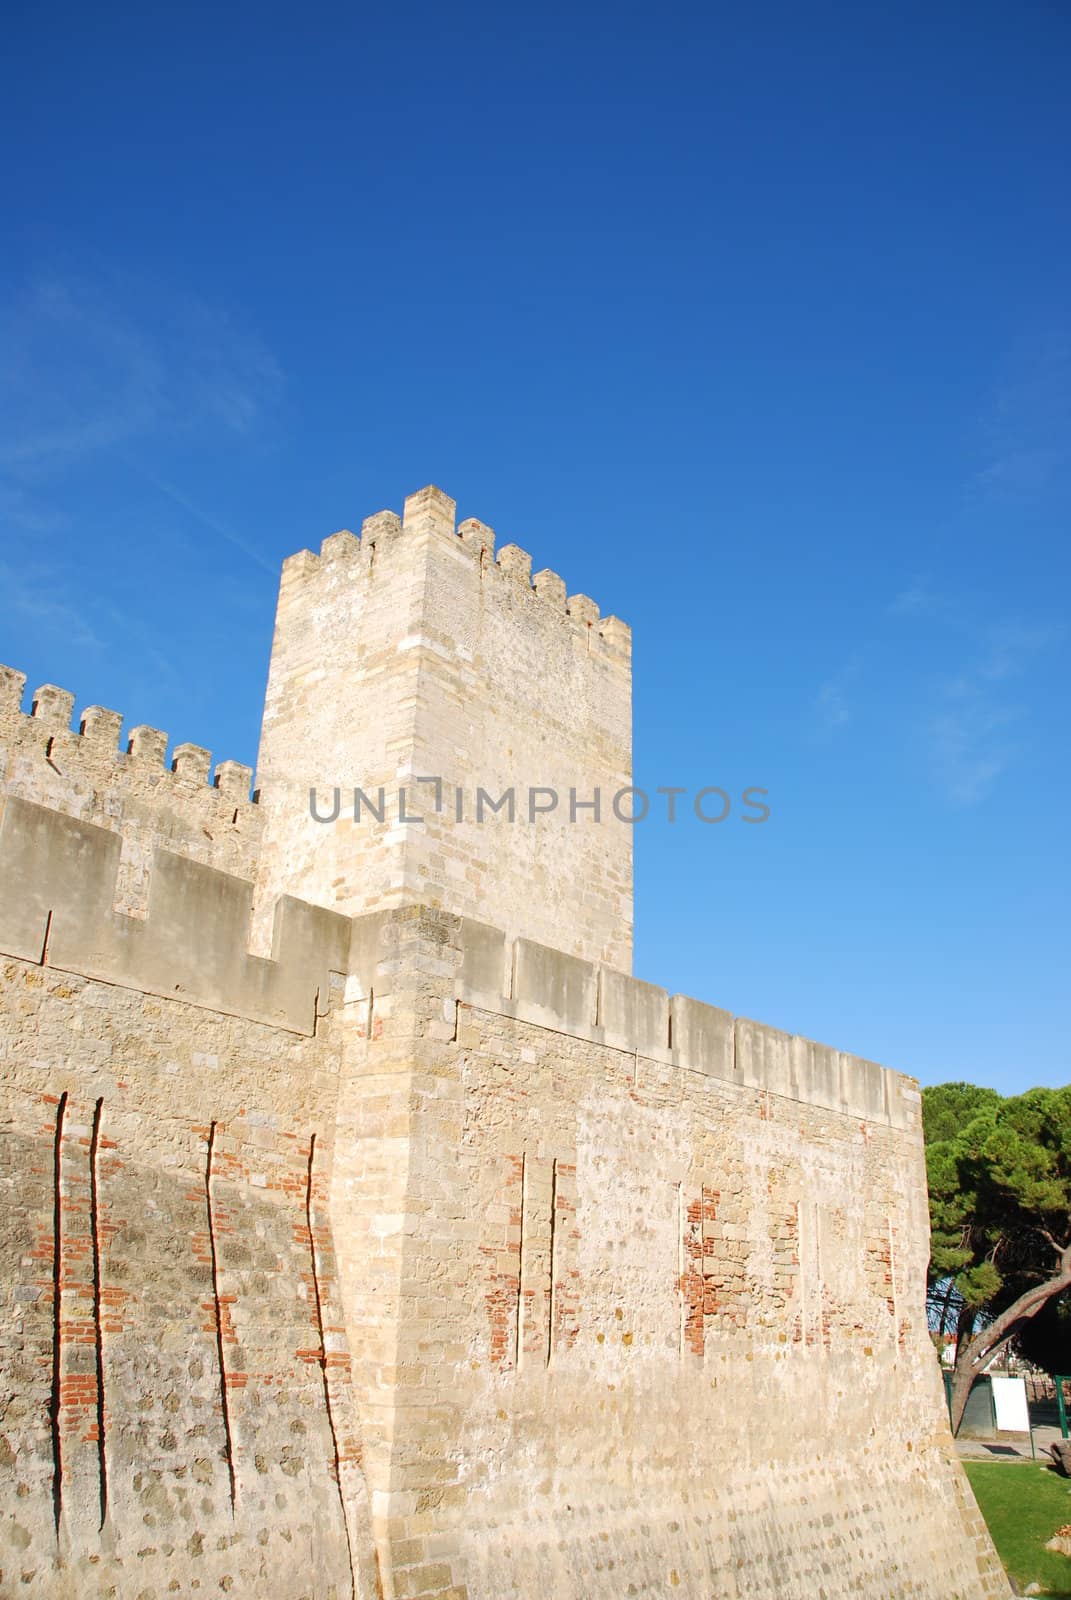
[[1023, 1505]]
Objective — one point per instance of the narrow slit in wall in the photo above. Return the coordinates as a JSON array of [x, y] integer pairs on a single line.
[[519, 1345], [552, 1295], [57, 1314], [98, 1332], [224, 1399], [321, 1339]]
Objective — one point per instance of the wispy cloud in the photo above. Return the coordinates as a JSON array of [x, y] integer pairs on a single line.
[[41, 594], [28, 513], [972, 744], [918, 599], [80, 377], [97, 367], [1026, 427], [90, 364], [831, 707], [974, 731], [1011, 647], [207, 519], [36, 594]]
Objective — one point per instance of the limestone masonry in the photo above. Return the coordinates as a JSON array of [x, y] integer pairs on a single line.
[[368, 1229]]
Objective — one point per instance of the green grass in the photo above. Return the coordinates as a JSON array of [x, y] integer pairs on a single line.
[[1023, 1505]]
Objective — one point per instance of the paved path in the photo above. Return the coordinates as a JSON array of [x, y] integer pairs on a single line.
[[1009, 1446]]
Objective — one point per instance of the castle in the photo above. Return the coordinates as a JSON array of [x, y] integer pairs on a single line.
[[369, 1230]]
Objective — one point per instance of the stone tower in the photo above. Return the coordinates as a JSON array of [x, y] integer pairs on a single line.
[[453, 689]]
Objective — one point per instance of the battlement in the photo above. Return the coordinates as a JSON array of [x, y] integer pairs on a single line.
[[672, 1034], [430, 511], [97, 737], [57, 895], [85, 771], [58, 890]]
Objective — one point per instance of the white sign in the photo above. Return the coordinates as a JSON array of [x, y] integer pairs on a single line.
[[1009, 1402]]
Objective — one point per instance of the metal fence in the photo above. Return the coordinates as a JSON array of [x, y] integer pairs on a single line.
[[1049, 1399]]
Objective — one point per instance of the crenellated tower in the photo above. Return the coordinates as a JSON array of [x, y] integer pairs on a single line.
[[483, 714]]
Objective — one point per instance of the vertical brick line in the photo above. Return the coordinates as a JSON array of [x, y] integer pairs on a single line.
[[552, 1296], [814, 1287], [801, 1250], [892, 1285], [682, 1298], [98, 1334], [318, 1305], [218, 1309], [519, 1345], [705, 1285], [821, 1332], [814, 1284], [57, 1278]]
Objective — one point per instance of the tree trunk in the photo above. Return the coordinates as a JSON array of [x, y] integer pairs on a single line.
[[975, 1354]]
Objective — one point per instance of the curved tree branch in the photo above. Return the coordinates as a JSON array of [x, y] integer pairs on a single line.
[[982, 1348]]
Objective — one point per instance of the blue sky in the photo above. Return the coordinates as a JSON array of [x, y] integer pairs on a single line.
[[753, 322]]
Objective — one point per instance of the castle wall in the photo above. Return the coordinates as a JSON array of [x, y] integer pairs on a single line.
[[697, 1349], [560, 1313], [355, 1247], [61, 880], [661, 1319], [131, 792], [412, 653], [178, 1413]]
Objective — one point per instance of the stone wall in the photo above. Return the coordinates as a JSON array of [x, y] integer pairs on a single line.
[[467, 1269], [661, 1322], [178, 1413], [133, 792], [409, 654]]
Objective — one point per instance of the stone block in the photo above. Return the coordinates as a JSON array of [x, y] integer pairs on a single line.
[[702, 1037], [429, 510], [191, 763], [516, 563], [477, 535], [100, 728], [232, 779], [633, 1014], [53, 707], [764, 1058], [12, 687], [483, 958], [561, 988]]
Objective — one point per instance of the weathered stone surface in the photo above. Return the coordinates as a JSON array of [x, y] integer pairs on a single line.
[[702, 1037], [423, 1251], [431, 670], [633, 1014], [556, 989]]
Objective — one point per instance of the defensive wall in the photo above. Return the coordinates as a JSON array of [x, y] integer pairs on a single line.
[[393, 1252]]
